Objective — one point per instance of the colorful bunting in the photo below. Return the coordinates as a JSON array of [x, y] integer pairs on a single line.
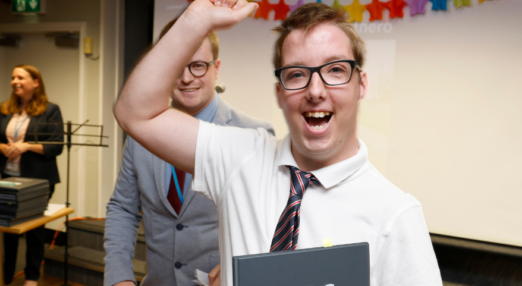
[[439, 5], [395, 7], [375, 8], [460, 3], [264, 8], [337, 6], [417, 6], [355, 11], [281, 10]]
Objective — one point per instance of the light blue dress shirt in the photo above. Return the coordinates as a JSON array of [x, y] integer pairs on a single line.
[[207, 114]]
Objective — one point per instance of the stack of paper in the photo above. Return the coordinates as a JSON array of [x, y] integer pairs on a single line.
[[201, 278]]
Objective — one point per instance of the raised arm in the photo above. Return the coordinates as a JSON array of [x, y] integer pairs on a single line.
[[142, 109]]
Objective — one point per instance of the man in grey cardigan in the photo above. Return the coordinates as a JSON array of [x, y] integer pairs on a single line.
[[181, 226]]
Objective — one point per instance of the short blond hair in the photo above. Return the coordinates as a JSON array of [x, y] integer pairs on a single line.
[[310, 15]]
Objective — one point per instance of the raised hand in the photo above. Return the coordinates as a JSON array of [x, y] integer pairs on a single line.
[[220, 14]]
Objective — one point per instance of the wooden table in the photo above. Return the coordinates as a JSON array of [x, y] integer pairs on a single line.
[[24, 227]]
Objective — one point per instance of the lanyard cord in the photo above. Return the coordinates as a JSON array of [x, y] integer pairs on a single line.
[[180, 195], [17, 128]]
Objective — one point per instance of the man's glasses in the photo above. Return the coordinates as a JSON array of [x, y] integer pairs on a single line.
[[199, 68], [332, 73]]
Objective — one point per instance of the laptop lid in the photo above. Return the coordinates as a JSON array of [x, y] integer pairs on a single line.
[[339, 265]]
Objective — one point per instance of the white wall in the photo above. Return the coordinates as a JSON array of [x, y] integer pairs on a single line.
[[454, 134], [111, 80], [442, 119]]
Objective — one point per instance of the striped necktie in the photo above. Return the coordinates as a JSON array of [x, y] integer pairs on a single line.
[[287, 230]]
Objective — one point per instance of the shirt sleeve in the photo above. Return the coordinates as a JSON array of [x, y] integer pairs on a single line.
[[221, 151], [407, 257], [122, 222]]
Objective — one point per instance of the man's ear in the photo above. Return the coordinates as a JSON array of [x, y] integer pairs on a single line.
[[217, 64], [363, 84], [279, 94]]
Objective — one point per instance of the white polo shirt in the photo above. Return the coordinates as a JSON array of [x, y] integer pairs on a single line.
[[243, 171]]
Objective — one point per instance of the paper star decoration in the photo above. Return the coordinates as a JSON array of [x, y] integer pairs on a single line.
[[355, 11], [296, 5], [281, 10], [337, 6], [375, 8], [439, 5], [460, 3], [395, 7], [417, 6], [264, 8]]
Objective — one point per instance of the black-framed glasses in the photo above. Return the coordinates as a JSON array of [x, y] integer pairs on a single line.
[[199, 68], [332, 73]]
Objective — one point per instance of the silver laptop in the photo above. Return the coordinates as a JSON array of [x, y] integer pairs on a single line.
[[341, 265]]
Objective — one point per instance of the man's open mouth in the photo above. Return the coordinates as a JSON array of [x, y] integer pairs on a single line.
[[317, 120]]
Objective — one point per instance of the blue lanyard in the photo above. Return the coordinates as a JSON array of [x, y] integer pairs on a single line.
[[17, 128], [180, 195]]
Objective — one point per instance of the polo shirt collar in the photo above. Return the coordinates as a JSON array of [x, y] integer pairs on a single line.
[[332, 175]]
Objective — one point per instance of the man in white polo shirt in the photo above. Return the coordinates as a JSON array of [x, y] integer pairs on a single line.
[[316, 183]]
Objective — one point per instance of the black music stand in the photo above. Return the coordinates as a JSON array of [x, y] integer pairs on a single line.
[[68, 142]]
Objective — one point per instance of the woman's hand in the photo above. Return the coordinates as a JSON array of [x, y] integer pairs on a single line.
[[14, 150]]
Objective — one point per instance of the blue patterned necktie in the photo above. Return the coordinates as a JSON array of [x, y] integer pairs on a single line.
[[287, 230]]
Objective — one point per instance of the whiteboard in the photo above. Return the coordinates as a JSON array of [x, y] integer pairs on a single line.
[[444, 114]]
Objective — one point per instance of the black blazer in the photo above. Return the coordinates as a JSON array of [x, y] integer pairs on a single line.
[[34, 165]]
